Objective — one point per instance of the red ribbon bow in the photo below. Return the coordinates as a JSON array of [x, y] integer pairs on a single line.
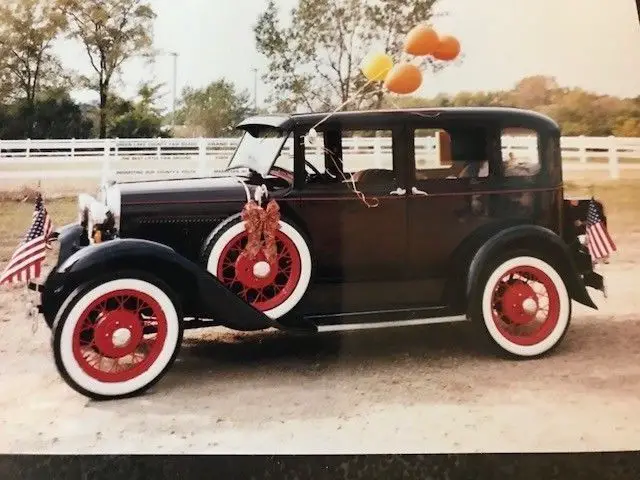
[[261, 225]]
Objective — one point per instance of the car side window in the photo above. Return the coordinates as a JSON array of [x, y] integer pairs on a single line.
[[450, 154], [314, 152], [520, 152], [367, 156]]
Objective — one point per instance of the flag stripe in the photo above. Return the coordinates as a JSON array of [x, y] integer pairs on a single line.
[[34, 257], [20, 255], [26, 261], [599, 241], [595, 235], [606, 238]]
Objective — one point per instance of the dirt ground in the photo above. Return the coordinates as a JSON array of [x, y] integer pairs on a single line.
[[405, 390]]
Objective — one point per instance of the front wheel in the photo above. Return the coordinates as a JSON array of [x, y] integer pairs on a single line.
[[117, 336], [523, 306]]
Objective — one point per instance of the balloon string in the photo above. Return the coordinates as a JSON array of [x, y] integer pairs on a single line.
[[420, 114], [343, 104], [351, 182]]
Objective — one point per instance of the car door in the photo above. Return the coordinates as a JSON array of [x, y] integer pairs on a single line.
[[447, 201], [357, 222]]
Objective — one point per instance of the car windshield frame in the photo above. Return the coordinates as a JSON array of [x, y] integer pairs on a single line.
[[259, 148]]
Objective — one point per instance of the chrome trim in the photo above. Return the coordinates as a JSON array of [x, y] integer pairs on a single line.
[[391, 324]]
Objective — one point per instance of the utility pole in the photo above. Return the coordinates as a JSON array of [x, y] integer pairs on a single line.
[[175, 89], [255, 90]]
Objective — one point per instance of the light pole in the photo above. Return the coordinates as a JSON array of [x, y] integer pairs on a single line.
[[174, 81], [175, 88], [255, 90]]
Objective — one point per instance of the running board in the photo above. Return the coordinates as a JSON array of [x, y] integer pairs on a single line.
[[391, 324]]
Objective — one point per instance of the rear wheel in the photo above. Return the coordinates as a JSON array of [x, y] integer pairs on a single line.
[[522, 307], [117, 336]]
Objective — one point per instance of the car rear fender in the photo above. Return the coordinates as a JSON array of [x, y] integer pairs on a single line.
[[534, 238], [201, 294]]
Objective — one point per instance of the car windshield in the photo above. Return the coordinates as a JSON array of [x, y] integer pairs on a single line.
[[258, 148]]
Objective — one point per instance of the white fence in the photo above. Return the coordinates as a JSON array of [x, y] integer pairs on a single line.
[[32, 160]]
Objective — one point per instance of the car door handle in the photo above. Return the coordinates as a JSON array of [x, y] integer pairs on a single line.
[[415, 191], [398, 191]]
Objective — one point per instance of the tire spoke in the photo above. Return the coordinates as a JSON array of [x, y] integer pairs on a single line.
[[110, 333], [235, 271]]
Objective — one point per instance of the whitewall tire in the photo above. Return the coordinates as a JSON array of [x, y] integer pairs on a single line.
[[523, 306], [275, 288], [117, 336]]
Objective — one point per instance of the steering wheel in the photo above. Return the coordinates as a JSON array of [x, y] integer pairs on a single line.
[[282, 173], [312, 167], [287, 175]]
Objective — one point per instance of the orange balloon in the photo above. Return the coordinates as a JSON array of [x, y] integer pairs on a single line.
[[403, 78], [421, 40], [448, 49]]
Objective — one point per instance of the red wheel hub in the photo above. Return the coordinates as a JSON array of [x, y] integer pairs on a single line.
[[519, 303], [249, 271], [526, 305], [109, 340], [118, 333], [265, 285]]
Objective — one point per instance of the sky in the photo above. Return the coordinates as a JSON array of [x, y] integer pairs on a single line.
[[580, 42]]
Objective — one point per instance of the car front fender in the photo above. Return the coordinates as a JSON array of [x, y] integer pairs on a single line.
[[201, 293], [538, 239]]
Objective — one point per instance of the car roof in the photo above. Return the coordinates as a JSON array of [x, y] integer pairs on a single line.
[[506, 116]]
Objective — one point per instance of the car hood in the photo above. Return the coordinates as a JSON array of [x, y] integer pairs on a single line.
[[193, 190]]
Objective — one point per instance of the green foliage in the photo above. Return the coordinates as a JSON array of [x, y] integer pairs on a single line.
[[27, 64], [314, 62], [138, 119], [28, 29], [214, 110], [112, 31], [53, 114]]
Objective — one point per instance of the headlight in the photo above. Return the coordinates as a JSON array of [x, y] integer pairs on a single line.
[[96, 217], [110, 197], [98, 213]]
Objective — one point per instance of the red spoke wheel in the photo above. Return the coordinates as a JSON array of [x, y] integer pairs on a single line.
[[273, 287], [109, 341], [525, 306], [117, 336]]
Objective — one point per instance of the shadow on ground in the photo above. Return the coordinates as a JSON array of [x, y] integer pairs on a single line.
[[275, 377]]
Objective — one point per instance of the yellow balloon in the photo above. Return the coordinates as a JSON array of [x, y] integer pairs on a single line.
[[376, 66]]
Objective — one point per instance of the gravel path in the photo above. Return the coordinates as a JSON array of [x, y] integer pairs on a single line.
[[406, 390]]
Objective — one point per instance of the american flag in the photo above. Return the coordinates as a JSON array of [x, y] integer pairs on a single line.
[[599, 241], [26, 262]]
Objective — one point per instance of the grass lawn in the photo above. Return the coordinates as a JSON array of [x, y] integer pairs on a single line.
[[15, 218]]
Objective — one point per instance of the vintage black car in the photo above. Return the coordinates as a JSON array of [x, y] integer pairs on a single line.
[[471, 229]]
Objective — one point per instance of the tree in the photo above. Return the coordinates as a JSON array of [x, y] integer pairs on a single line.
[[27, 64], [627, 127], [535, 91], [315, 62], [577, 111], [112, 31], [214, 110], [139, 119], [52, 115]]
